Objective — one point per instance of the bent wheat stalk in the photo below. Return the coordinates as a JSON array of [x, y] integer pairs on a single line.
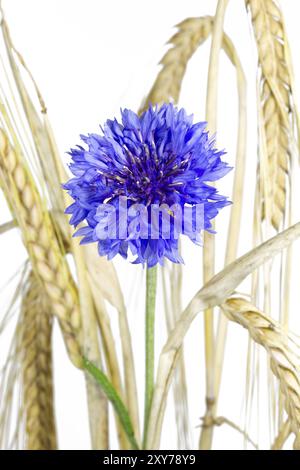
[[282, 436], [233, 232], [208, 268], [213, 293]]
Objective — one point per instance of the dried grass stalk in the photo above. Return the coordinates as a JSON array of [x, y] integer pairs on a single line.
[[277, 109], [96, 398], [11, 424], [37, 369], [110, 354], [209, 239], [173, 309], [233, 233], [45, 252], [104, 284], [283, 359]]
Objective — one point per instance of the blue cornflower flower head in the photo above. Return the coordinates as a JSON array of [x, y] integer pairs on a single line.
[[144, 182]]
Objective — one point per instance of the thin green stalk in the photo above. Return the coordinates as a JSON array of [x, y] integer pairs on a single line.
[[151, 281], [115, 400]]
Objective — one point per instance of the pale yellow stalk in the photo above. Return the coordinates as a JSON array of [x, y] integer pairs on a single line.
[[209, 241]]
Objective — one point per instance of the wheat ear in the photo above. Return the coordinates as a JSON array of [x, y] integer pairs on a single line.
[[191, 33], [277, 109], [37, 369], [45, 252], [284, 360]]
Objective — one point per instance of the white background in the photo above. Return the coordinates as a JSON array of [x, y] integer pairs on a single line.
[[90, 58]]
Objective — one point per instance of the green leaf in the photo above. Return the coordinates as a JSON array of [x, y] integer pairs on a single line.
[[115, 400]]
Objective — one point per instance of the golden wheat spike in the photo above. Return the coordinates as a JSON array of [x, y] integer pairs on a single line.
[[191, 33], [37, 369], [45, 253], [284, 361], [277, 107]]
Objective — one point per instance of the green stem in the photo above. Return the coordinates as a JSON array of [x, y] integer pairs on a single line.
[[151, 281]]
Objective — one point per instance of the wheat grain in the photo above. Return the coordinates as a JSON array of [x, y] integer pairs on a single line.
[[277, 107], [37, 369], [45, 253], [283, 359]]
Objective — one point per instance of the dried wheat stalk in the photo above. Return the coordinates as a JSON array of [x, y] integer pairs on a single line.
[[284, 360], [104, 284], [276, 105], [282, 436], [110, 353], [37, 369], [51, 269], [11, 433], [48, 262], [171, 276], [233, 232], [278, 133], [53, 174], [208, 267]]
